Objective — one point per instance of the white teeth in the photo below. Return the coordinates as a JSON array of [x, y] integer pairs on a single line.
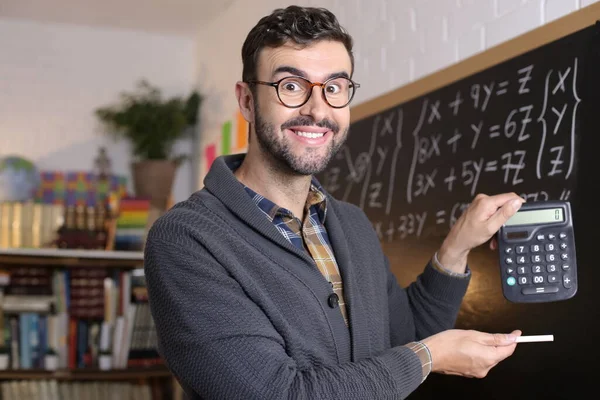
[[311, 135]]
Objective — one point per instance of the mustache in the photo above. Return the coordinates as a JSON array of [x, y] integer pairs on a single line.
[[308, 121]]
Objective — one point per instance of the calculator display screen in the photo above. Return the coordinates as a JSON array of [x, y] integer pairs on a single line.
[[532, 217]]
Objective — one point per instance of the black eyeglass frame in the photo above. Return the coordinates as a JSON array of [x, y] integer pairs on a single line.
[[310, 91]]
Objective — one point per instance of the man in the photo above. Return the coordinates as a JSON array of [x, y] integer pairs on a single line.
[[262, 286]]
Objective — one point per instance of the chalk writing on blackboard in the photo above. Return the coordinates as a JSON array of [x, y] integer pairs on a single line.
[[415, 167]]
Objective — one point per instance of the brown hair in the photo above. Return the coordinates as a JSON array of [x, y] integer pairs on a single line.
[[300, 25]]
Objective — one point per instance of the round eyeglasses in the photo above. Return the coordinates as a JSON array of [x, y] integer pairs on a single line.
[[294, 91]]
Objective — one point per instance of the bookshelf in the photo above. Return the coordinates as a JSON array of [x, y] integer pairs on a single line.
[[53, 253], [70, 266], [88, 374], [54, 258]]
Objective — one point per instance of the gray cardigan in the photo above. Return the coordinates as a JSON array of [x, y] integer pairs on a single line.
[[241, 313]]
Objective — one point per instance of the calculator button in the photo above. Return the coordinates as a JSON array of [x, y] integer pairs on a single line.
[[550, 257], [550, 247], [551, 267], [508, 250], [508, 260], [564, 256], [563, 246], [562, 235], [510, 270], [510, 281], [536, 269], [521, 260], [552, 279], [536, 258], [535, 248], [539, 289], [538, 279], [551, 236], [540, 237], [522, 270], [521, 249], [566, 267], [567, 281], [523, 280]]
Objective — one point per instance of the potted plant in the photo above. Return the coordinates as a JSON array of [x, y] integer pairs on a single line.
[[152, 124], [105, 360], [4, 357], [51, 360]]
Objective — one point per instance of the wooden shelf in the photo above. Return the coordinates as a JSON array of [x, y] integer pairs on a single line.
[[87, 374], [71, 258]]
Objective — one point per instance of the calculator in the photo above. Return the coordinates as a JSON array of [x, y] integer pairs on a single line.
[[537, 253]]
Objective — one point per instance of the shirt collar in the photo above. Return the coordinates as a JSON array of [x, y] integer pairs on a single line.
[[316, 198]]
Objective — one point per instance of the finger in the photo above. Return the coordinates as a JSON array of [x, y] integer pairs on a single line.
[[503, 352], [493, 243], [500, 339], [507, 210], [498, 200]]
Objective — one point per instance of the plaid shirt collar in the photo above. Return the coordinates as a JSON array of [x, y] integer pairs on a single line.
[[316, 201]]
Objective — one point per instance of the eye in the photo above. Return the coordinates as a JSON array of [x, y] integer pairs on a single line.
[[337, 86], [333, 88], [292, 85]]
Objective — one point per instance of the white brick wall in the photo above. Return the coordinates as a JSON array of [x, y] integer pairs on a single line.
[[53, 76], [503, 7], [396, 41], [513, 21], [553, 9]]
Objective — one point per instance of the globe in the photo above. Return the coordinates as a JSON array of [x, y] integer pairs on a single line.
[[19, 179]]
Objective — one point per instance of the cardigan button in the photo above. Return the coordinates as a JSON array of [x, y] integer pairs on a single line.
[[333, 300]]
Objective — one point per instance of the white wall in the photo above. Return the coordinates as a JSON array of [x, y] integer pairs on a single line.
[[53, 76], [396, 42]]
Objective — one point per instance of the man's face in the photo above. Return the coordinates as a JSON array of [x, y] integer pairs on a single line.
[[300, 140]]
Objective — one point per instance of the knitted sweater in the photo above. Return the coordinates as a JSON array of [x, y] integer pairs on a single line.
[[241, 313]]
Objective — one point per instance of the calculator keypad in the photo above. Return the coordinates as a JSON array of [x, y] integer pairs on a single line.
[[539, 267]]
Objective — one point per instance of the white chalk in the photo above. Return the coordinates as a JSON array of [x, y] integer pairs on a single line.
[[535, 338]]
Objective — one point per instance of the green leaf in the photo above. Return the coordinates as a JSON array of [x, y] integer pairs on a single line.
[[149, 122]]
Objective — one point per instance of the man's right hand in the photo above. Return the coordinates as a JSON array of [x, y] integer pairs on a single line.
[[469, 353]]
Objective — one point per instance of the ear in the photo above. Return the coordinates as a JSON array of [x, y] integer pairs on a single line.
[[245, 100]]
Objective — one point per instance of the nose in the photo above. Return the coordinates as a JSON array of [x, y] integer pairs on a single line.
[[316, 106]]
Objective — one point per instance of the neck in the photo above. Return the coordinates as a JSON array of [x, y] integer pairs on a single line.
[[284, 189]]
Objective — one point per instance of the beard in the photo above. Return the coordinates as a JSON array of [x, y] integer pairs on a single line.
[[311, 162]]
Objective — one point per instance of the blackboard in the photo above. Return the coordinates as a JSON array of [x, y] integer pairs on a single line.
[[526, 122]]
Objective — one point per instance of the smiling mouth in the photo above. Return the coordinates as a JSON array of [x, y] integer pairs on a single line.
[[310, 135]]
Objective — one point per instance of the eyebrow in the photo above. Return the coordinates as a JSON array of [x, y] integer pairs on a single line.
[[298, 72], [289, 69]]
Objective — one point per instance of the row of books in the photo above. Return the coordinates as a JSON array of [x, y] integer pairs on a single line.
[[131, 224], [79, 314], [50, 389], [121, 224], [29, 224]]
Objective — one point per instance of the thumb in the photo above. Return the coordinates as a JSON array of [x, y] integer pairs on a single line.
[[502, 339], [504, 213]]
